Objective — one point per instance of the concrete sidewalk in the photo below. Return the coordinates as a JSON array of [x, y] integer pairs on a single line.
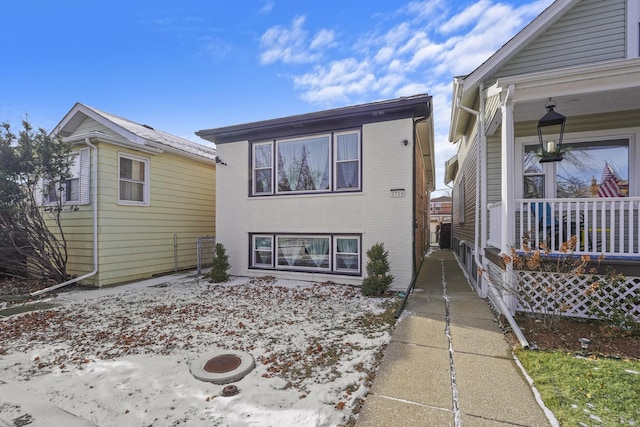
[[448, 363]]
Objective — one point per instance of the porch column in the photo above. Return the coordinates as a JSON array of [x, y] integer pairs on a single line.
[[508, 190], [508, 177]]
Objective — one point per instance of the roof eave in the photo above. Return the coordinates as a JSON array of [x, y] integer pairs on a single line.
[[414, 106]]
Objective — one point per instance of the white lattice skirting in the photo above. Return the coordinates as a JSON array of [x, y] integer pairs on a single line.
[[542, 289]]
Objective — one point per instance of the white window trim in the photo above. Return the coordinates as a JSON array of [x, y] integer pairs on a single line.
[[253, 168], [335, 161], [254, 258], [633, 29], [146, 192], [334, 248]]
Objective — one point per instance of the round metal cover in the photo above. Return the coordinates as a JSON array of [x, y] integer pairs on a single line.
[[222, 366]]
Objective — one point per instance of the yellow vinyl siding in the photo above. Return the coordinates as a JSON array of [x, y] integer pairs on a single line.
[[138, 241], [90, 125]]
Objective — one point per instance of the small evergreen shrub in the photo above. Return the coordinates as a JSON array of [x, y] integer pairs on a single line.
[[378, 280], [220, 265]]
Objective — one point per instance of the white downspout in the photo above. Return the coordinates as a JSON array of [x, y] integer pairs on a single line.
[[479, 168], [95, 227], [481, 180]]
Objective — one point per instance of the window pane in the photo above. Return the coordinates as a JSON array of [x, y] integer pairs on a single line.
[[52, 192], [289, 250], [534, 187], [594, 170], [303, 165], [347, 146], [263, 243], [262, 156], [531, 162], [137, 171], [131, 191], [74, 167], [125, 168], [347, 246], [305, 252], [347, 262], [347, 175], [73, 190], [263, 181]]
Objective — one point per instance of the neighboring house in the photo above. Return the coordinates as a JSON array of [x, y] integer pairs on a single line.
[[584, 56], [440, 214], [304, 197], [137, 198]]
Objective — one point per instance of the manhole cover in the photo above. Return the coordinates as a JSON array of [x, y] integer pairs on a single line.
[[223, 366]]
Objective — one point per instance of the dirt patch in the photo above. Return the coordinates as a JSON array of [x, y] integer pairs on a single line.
[[605, 340]]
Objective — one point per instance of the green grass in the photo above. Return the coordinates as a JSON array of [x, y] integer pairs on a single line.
[[593, 391]]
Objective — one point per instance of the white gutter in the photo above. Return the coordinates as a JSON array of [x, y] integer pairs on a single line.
[[95, 227]]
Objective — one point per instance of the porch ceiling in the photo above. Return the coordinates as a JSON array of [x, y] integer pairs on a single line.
[[603, 88], [581, 104]]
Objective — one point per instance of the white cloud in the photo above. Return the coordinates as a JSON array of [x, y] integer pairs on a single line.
[[340, 79], [468, 16], [425, 44], [286, 44], [322, 38], [267, 7]]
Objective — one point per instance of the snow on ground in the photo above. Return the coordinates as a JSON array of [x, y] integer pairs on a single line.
[[120, 356]]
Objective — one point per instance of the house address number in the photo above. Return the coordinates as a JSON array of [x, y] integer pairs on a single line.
[[397, 193]]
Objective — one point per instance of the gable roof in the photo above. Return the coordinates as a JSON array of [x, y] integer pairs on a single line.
[[464, 87], [134, 133]]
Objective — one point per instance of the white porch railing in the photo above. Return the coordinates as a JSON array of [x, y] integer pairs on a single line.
[[608, 226]]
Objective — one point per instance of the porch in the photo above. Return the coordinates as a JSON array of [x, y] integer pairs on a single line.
[[608, 227]]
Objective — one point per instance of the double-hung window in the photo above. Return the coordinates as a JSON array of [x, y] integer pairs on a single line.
[[347, 171], [75, 189], [133, 173], [311, 164], [262, 168], [347, 253]]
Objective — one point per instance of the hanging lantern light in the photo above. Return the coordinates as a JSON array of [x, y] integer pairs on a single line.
[[550, 134]]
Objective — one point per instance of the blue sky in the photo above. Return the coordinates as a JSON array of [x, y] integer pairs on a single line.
[[182, 66]]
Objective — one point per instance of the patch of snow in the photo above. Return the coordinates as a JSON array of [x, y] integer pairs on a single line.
[[120, 356]]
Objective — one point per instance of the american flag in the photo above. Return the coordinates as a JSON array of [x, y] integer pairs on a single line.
[[609, 183]]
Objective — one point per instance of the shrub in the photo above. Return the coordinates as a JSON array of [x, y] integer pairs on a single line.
[[378, 280], [544, 282], [613, 303], [220, 265]]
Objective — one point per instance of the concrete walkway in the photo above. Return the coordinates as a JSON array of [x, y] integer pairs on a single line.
[[448, 363]]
